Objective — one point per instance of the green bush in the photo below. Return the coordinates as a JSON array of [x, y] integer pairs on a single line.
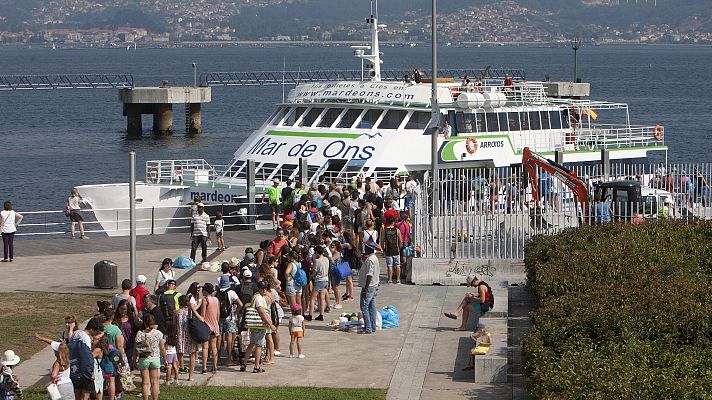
[[624, 312]]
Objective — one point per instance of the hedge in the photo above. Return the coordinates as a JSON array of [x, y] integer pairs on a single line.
[[623, 312]]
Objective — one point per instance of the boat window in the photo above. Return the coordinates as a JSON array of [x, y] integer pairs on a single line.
[[311, 116], [502, 121], [329, 117], [294, 116], [347, 121], [465, 122], [545, 120], [480, 119], [278, 115], [524, 119], [514, 121], [565, 119], [369, 118], [534, 121], [555, 118], [392, 119], [492, 124], [418, 120]]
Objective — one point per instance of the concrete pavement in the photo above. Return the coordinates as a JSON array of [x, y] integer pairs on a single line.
[[419, 360]]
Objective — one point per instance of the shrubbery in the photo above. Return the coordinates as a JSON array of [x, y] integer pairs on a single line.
[[624, 312]]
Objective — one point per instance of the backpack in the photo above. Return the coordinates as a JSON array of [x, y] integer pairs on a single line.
[[225, 304], [300, 277], [245, 293], [167, 302], [488, 304]]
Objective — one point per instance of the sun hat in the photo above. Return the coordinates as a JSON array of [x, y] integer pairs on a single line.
[[9, 359]]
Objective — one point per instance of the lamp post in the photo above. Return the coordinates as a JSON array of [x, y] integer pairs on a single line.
[[195, 75], [435, 117], [576, 45]]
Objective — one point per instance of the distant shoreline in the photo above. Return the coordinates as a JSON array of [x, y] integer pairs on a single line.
[[284, 43]]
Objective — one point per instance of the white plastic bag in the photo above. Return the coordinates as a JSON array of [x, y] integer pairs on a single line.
[[53, 392], [379, 321]]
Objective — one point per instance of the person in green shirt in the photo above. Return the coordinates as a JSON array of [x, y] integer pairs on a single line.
[[274, 194]]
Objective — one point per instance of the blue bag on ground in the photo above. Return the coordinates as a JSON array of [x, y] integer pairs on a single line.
[[183, 262], [390, 317]]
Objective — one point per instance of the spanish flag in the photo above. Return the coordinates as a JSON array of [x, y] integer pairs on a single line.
[[591, 113]]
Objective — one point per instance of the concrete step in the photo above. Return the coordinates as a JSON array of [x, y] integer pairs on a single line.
[[492, 367]]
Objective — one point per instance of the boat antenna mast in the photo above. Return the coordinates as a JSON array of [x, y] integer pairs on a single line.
[[374, 59]]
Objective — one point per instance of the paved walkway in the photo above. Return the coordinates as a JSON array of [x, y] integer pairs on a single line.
[[419, 360]]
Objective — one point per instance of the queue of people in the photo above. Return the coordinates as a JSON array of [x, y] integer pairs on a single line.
[[326, 235]]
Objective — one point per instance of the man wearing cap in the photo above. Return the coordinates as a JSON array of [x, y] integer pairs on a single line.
[[471, 302], [139, 291], [199, 233], [168, 302], [258, 332], [368, 280], [274, 194]]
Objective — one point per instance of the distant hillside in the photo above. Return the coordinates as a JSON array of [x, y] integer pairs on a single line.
[[252, 19]]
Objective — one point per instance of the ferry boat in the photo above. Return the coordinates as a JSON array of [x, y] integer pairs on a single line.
[[378, 128]]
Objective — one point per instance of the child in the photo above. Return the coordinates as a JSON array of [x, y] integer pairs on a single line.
[[9, 386], [296, 330], [99, 351], [481, 346], [171, 362], [219, 228]]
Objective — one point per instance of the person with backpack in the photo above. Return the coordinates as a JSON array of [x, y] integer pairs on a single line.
[[287, 199], [168, 301], [391, 242], [228, 321], [296, 279], [475, 304]]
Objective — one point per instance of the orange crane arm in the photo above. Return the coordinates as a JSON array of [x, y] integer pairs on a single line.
[[531, 160]]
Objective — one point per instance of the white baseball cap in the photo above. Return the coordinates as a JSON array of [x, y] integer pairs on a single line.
[[141, 279]]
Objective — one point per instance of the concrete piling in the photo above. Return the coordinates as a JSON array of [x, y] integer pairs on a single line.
[[195, 124], [159, 101]]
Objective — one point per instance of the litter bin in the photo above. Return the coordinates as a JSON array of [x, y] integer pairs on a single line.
[[106, 275]]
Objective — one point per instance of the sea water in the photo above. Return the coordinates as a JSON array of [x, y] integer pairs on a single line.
[[52, 140]]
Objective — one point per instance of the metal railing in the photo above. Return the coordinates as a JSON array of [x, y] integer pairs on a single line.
[[260, 78], [66, 81], [490, 213], [149, 220]]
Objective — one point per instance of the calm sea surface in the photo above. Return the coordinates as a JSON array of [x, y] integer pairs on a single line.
[[53, 140]]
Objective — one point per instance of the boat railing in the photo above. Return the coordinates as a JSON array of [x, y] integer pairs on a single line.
[[604, 136], [193, 171], [519, 92], [149, 220]]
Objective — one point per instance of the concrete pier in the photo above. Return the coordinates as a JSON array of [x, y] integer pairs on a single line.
[[159, 101]]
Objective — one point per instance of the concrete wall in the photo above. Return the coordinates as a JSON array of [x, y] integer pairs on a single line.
[[428, 271], [170, 95]]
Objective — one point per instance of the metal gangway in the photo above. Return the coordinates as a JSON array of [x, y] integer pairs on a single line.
[[65, 81], [261, 78]]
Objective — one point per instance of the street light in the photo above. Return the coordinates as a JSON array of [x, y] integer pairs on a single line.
[[576, 45], [195, 75]]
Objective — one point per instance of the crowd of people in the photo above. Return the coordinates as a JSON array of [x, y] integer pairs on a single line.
[[325, 236]]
